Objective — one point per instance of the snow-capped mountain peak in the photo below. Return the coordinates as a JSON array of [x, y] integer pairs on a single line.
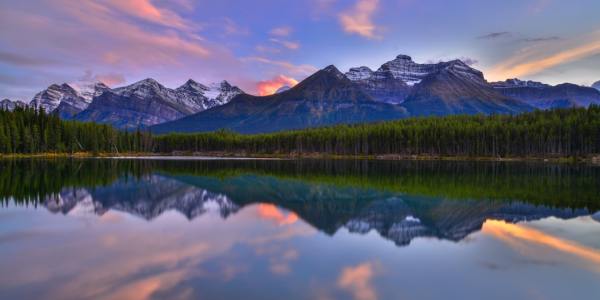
[[10, 105], [515, 82], [89, 90], [50, 98], [192, 85], [359, 73], [200, 97], [143, 88]]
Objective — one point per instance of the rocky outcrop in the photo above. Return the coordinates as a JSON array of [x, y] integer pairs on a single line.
[[147, 103], [325, 98], [10, 105], [543, 96]]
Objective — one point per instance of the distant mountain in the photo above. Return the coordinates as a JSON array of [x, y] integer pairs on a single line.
[[9, 105], [65, 100], [545, 96], [90, 90], [433, 89], [596, 85], [325, 98], [200, 97], [394, 80], [147, 102], [381, 85], [147, 197], [456, 88], [397, 217], [282, 89]]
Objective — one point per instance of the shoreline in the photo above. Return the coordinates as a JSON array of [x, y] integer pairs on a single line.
[[592, 158]]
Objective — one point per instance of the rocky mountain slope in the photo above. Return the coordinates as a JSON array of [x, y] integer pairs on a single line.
[[544, 96], [325, 98], [394, 80], [65, 100], [433, 89], [395, 217], [7, 104], [458, 89], [147, 103]]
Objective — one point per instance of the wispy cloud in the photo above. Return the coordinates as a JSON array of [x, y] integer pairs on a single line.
[[267, 50], [281, 31], [299, 70], [358, 281], [469, 61], [230, 27], [23, 60], [533, 60], [537, 6], [541, 39], [358, 19], [110, 79], [321, 7], [494, 35], [288, 44], [520, 236], [144, 9], [269, 87]]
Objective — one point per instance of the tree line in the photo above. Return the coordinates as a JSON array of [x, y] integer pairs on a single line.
[[29, 131], [32, 181], [560, 132]]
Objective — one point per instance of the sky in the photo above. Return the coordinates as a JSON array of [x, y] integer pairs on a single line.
[[260, 45]]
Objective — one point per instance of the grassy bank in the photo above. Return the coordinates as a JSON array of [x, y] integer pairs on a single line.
[[595, 159]]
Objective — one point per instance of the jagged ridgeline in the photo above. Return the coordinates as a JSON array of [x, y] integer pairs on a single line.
[[339, 184]]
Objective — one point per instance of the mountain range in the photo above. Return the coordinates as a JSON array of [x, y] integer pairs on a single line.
[[325, 98], [141, 104], [147, 103], [398, 218], [398, 89]]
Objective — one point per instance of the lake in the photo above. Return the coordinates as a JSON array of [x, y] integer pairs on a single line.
[[298, 229]]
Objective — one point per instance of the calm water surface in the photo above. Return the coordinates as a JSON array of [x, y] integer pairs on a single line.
[[218, 229]]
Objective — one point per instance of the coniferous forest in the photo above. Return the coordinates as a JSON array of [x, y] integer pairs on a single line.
[[554, 133], [30, 131]]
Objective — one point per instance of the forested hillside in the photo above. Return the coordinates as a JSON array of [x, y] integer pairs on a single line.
[[28, 131], [563, 132], [555, 133]]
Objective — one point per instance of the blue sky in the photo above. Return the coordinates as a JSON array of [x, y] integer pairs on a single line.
[[260, 45]]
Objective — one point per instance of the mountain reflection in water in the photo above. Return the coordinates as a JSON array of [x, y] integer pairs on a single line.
[[333, 198], [306, 229]]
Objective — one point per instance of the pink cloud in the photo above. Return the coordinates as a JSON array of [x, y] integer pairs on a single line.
[[288, 44], [300, 70], [145, 10], [271, 212], [110, 79], [281, 31], [357, 280], [357, 20], [269, 87], [230, 27]]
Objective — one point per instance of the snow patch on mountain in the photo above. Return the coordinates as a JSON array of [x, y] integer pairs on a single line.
[[10, 105], [89, 90], [515, 82], [282, 89], [359, 73], [404, 69]]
